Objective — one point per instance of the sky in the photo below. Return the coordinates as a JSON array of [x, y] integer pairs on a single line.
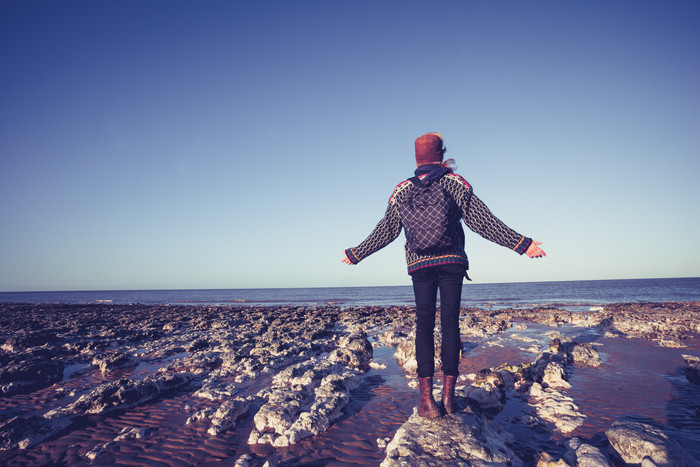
[[246, 144]]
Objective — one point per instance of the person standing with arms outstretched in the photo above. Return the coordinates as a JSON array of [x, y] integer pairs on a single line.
[[436, 257]]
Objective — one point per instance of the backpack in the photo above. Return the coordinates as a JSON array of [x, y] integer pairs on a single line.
[[425, 216]]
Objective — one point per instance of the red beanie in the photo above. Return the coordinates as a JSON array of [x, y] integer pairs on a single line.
[[429, 149]]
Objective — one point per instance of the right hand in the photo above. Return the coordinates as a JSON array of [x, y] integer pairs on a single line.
[[346, 260]]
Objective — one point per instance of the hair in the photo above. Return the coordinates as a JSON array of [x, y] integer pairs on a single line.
[[449, 164]]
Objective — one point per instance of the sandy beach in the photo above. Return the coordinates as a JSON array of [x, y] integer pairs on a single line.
[[106, 384]]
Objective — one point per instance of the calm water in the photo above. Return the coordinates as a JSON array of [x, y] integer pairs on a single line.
[[572, 295]]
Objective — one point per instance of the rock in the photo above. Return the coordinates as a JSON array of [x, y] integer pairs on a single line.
[[555, 407], [406, 353], [112, 362], [555, 376], [546, 460], [27, 376], [672, 343], [633, 441], [584, 355], [26, 431], [355, 351], [228, 413], [585, 455], [26, 340], [126, 434], [304, 400], [382, 442], [331, 396], [463, 439], [243, 461], [692, 372], [122, 394], [487, 394], [197, 345]]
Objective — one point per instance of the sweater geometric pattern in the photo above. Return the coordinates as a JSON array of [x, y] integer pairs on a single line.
[[475, 214]]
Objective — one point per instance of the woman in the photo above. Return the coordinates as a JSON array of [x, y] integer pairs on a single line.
[[440, 267]]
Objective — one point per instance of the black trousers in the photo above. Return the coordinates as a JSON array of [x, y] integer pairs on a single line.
[[426, 282]]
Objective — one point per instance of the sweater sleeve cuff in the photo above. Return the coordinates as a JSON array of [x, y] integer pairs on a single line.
[[523, 245], [351, 256]]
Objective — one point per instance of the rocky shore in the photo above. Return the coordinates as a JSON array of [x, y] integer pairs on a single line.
[[267, 385]]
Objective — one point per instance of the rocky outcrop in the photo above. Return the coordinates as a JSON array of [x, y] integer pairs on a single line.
[[584, 455], [462, 439], [115, 361], [303, 401], [556, 407], [125, 434], [27, 376], [24, 432], [309, 359], [487, 394], [228, 414], [406, 353], [634, 442], [122, 394], [692, 372]]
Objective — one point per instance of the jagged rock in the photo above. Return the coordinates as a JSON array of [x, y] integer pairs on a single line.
[[487, 393], [462, 439], [27, 376], [228, 413], [304, 400], [198, 344], [545, 459], [26, 340], [26, 431], [692, 372], [557, 408], [671, 343], [355, 351], [554, 376], [215, 390], [406, 353], [122, 394], [172, 327], [243, 461], [112, 362], [200, 415], [125, 434], [633, 441], [392, 338], [331, 396], [584, 455], [583, 354], [478, 325]]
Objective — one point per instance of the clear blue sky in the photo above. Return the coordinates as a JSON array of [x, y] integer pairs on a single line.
[[236, 144]]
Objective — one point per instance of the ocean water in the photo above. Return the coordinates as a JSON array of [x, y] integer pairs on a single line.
[[571, 295]]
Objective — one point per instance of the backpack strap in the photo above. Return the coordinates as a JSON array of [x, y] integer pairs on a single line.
[[416, 181]]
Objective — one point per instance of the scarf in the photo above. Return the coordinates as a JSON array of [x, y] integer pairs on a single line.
[[434, 171]]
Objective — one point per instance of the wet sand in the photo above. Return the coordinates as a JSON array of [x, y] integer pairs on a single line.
[[638, 378]]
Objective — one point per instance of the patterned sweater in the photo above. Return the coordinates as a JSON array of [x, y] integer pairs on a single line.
[[469, 207]]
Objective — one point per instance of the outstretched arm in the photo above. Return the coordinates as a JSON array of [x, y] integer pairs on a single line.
[[384, 233]]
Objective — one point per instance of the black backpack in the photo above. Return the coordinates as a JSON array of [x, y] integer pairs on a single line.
[[425, 216]]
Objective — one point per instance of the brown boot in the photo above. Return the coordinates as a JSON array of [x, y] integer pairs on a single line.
[[448, 393], [427, 407]]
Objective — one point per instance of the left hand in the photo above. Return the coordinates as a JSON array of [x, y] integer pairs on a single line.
[[346, 260], [534, 251]]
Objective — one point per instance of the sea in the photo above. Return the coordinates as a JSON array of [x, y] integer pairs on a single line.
[[569, 295]]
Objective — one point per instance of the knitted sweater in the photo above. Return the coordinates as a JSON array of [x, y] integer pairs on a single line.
[[469, 207]]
